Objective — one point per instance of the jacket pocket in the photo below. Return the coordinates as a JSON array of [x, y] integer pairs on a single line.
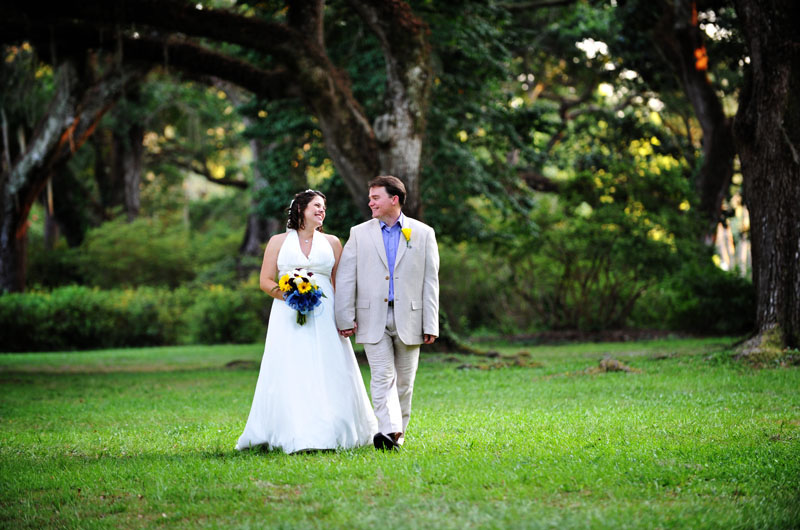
[[416, 305], [362, 303]]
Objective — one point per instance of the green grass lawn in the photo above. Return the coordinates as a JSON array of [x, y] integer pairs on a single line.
[[142, 438]]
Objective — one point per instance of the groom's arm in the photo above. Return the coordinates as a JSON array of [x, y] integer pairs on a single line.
[[430, 289], [345, 298]]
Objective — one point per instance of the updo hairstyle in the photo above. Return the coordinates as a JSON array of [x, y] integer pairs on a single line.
[[298, 206]]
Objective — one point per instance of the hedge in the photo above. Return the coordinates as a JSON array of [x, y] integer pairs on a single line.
[[79, 318]]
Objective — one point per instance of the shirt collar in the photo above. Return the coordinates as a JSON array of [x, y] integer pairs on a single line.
[[400, 222]]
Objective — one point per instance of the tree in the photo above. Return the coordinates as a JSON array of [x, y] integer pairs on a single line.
[[668, 48], [297, 66], [767, 130], [74, 112]]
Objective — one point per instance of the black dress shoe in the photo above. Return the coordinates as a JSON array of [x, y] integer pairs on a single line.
[[384, 442]]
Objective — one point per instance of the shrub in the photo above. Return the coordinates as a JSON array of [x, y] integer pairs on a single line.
[[77, 318], [142, 252], [475, 291], [52, 268], [708, 300], [220, 315], [66, 318], [587, 275]]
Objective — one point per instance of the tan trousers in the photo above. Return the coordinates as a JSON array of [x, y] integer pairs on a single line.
[[393, 366]]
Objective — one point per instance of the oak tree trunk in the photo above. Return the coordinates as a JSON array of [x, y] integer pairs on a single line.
[[128, 154], [767, 129], [258, 229]]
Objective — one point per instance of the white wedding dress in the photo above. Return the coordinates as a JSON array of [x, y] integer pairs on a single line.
[[309, 394]]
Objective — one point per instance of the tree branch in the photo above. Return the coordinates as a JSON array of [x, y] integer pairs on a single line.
[[171, 15], [537, 4], [74, 38], [306, 17], [538, 182]]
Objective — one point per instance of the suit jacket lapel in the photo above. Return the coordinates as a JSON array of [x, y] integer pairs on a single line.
[[377, 240]]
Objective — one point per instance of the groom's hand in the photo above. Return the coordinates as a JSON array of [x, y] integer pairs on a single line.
[[428, 339], [348, 332]]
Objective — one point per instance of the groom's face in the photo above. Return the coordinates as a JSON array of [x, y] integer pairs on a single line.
[[383, 205]]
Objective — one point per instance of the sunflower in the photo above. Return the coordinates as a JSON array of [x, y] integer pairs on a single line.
[[304, 287], [284, 284]]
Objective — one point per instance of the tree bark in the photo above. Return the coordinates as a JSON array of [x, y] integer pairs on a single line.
[[112, 192], [400, 130], [767, 129], [68, 195], [258, 229], [128, 155]]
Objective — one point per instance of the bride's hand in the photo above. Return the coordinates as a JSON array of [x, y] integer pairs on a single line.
[[349, 332]]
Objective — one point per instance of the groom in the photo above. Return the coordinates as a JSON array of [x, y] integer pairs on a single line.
[[387, 294]]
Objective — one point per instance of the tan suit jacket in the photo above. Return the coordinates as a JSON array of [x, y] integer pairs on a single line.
[[362, 283]]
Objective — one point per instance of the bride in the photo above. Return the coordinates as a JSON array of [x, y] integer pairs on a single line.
[[309, 394]]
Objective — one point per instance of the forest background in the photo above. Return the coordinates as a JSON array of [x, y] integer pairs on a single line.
[[588, 166]]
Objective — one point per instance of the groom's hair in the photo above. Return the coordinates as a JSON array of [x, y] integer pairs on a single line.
[[393, 185]]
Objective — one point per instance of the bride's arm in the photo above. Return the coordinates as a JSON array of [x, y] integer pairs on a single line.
[[337, 253], [269, 268]]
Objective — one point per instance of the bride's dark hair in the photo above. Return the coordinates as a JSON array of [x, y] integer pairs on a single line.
[[298, 206]]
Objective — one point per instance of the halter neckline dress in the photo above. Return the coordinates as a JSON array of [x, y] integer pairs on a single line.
[[310, 393]]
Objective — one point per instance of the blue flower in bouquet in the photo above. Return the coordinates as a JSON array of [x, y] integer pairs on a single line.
[[301, 292]]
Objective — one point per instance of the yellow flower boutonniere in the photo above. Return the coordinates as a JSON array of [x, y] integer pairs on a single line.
[[407, 234]]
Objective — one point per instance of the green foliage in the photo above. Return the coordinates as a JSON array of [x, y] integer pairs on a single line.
[[618, 226], [216, 228], [483, 298], [708, 300], [144, 438], [512, 95], [193, 127], [295, 159], [142, 252], [220, 315], [156, 252], [26, 86], [342, 213], [470, 128], [292, 148], [635, 26], [74, 318], [78, 318], [51, 268], [350, 43], [588, 277]]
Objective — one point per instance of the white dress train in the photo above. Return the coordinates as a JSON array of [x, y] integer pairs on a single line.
[[309, 394]]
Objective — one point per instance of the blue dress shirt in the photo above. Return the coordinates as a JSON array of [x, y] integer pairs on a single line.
[[391, 239]]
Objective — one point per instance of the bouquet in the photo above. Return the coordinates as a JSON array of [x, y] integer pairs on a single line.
[[301, 292]]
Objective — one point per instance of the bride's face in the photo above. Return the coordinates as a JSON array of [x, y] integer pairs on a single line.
[[314, 214]]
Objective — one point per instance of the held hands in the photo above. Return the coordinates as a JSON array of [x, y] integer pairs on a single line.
[[349, 332]]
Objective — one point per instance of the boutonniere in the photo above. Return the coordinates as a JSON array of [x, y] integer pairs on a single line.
[[407, 234]]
